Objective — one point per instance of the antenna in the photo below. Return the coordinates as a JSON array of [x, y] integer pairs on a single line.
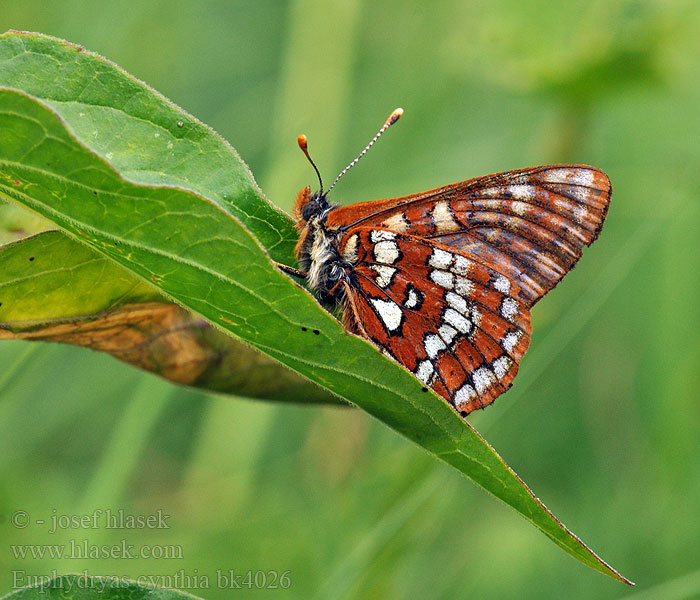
[[393, 117], [301, 140]]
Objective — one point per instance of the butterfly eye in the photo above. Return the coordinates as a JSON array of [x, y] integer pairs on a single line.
[[313, 207]]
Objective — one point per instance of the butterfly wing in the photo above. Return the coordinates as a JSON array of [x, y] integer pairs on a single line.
[[455, 323], [530, 225]]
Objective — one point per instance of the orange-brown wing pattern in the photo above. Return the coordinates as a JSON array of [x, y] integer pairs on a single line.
[[457, 324], [530, 225]]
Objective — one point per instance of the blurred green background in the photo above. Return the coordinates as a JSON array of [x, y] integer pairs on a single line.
[[602, 422]]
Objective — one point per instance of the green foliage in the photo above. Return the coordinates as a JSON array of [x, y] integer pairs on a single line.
[[602, 419], [17, 223], [53, 288], [152, 141], [51, 277], [202, 256]]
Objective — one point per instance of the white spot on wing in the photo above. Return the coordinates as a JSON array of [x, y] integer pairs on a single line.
[[501, 366], [350, 249], [442, 278], [384, 275], [582, 177], [476, 317], [386, 252], [519, 208], [457, 320], [483, 378], [447, 333], [424, 371], [379, 236], [509, 308], [444, 221], [433, 345], [440, 259], [491, 192], [456, 301], [462, 265], [463, 286], [389, 312], [510, 340], [580, 213], [502, 284], [464, 395], [412, 300], [396, 223], [521, 192]]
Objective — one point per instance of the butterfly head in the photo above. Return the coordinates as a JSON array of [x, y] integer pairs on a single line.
[[309, 205], [317, 249]]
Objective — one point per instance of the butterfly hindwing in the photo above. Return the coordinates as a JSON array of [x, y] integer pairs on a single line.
[[457, 324], [529, 224]]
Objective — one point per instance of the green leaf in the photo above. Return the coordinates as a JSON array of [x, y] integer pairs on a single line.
[[55, 289], [206, 258], [139, 132], [51, 278], [17, 223], [79, 587]]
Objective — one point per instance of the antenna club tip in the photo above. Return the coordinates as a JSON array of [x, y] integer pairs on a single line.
[[395, 116], [301, 140]]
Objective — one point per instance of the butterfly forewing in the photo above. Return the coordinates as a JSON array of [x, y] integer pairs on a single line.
[[530, 225], [453, 321]]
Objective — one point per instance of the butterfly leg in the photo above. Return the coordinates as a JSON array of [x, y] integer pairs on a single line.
[[351, 322], [290, 270]]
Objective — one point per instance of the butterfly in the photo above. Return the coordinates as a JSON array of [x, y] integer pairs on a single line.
[[443, 281]]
